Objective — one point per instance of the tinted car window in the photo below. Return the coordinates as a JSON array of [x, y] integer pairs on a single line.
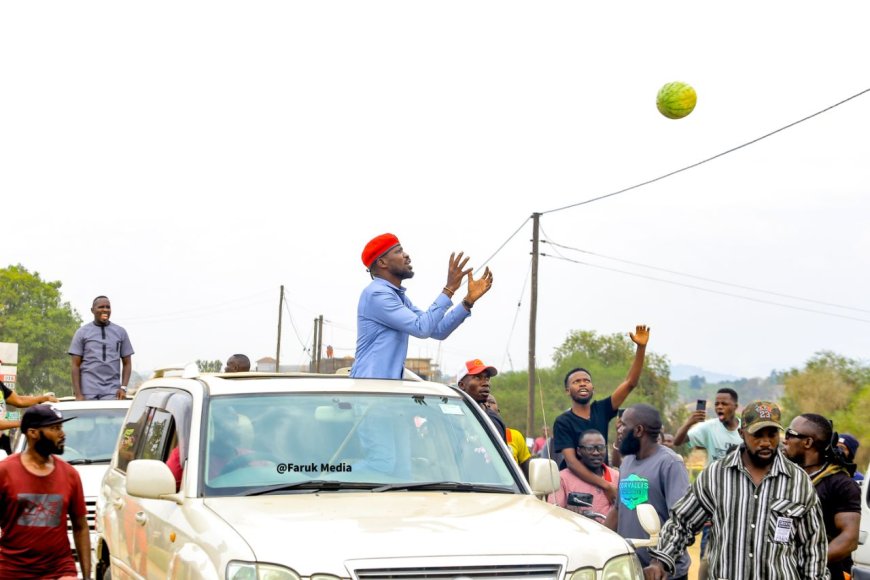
[[256, 440]]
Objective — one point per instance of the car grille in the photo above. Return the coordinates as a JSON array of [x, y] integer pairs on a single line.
[[92, 508], [501, 572]]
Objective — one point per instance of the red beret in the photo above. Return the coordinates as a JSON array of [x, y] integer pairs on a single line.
[[377, 247]]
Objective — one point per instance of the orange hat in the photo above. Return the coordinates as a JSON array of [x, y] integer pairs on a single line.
[[474, 367], [377, 247]]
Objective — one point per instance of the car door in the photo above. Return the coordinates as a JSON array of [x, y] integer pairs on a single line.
[[154, 522]]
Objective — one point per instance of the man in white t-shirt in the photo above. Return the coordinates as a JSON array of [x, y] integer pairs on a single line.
[[717, 436]]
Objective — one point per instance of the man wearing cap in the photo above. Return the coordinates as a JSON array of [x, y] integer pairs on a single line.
[[473, 378], [849, 445], [38, 490], [386, 317], [98, 352], [767, 519]]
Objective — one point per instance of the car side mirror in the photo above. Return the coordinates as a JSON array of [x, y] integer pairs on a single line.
[[151, 479], [649, 521], [543, 476]]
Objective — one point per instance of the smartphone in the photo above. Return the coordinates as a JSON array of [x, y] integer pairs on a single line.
[[701, 405], [578, 499]]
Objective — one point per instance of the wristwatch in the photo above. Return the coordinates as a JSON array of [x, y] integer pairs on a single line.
[[124, 388]]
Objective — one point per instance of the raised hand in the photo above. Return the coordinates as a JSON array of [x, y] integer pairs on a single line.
[[640, 336], [456, 271], [479, 287]]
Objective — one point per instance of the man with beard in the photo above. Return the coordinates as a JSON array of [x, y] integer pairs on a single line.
[[591, 450], [650, 473], [767, 519], [386, 317], [810, 442], [584, 414], [38, 490]]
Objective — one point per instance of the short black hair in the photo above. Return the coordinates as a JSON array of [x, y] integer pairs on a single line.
[[823, 439], [576, 370], [728, 391], [649, 417], [94, 303], [588, 432]]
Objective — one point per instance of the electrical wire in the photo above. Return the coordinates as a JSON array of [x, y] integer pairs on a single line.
[[702, 289], [293, 325], [703, 161], [208, 307], [516, 316], [704, 279]]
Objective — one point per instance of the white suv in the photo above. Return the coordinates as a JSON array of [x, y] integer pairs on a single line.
[[315, 477]]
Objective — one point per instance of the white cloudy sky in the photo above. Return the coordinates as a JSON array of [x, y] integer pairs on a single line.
[[189, 158]]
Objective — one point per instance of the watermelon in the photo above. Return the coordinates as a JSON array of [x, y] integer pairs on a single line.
[[676, 100]]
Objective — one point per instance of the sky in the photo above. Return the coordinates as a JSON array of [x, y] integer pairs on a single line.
[[188, 159]]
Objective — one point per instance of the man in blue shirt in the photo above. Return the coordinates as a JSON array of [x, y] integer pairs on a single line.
[[386, 317], [101, 356]]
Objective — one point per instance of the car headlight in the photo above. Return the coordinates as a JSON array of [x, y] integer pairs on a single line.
[[584, 574], [237, 570], [623, 568]]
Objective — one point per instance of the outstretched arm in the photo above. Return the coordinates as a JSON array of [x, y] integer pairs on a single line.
[[682, 434], [640, 337]]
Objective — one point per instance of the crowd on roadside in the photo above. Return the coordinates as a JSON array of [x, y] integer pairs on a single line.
[[767, 506]]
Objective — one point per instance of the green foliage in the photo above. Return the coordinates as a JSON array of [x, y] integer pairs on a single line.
[[209, 366], [836, 387], [33, 314], [607, 357]]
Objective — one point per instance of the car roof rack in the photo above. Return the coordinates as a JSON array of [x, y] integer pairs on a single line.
[[187, 371]]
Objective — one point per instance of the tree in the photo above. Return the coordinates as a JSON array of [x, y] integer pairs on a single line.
[[209, 366], [696, 382], [33, 314]]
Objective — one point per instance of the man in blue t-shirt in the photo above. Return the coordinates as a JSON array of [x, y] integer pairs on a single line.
[[584, 414]]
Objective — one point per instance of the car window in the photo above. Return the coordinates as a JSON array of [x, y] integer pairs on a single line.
[[378, 439], [158, 433], [131, 434], [92, 436]]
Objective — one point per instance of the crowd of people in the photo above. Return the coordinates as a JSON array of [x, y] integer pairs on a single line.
[[767, 505]]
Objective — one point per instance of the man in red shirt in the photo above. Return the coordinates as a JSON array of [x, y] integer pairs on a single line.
[[37, 492]]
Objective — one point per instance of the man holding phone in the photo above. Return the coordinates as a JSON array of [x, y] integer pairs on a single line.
[[591, 449], [717, 436]]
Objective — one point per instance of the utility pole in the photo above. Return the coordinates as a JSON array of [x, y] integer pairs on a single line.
[[319, 322], [533, 319], [314, 347], [278, 347]]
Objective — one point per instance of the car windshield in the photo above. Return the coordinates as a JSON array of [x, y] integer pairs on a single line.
[[295, 442], [91, 437]]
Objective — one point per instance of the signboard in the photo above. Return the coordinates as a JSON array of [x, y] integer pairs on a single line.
[[9, 353]]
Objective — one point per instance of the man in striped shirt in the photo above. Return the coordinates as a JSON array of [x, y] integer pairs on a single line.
[[767, 519]]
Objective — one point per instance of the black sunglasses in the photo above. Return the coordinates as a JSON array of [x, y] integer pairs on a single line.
[[792, 434]]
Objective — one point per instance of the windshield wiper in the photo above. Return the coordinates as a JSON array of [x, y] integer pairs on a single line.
[[312, 485], [445, 486], [85, 461]]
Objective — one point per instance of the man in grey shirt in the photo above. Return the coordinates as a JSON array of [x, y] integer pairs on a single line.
[[97, 348], [650, 473]]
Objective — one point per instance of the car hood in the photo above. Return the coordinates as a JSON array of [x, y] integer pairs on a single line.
[[92, 477], [410, 524]]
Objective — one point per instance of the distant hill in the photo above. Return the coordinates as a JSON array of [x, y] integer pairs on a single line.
[[683, 372]]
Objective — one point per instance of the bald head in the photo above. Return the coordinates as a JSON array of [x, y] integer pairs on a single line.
[[238, 363], [647, 416]]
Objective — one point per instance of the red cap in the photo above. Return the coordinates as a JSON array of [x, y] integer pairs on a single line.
[[474, 367], [377, 247]]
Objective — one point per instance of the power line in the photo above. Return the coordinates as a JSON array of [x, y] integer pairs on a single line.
[[702, 289], [702, 278], [516, 315], [293, 325], [703, 161], [501, 247]]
